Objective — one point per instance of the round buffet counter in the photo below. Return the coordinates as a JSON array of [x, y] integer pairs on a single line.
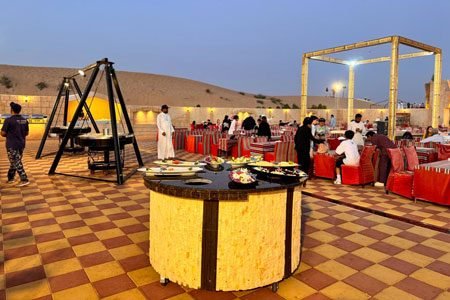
[[221, 236]]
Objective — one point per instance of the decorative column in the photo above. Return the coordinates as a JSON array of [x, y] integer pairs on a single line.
[[436, 107], [304, 93], [393, 87], [351, 90]]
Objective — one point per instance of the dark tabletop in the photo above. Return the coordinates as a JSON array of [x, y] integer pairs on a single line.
[[220, 188]]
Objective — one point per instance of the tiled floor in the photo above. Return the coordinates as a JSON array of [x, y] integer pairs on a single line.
[[69, 238], [374, 199]]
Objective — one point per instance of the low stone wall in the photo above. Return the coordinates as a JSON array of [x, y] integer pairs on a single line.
[[144, 117]]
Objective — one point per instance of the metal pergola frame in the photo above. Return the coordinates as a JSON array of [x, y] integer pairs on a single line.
[[395, 41]]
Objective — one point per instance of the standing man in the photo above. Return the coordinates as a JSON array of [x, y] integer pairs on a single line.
[[383, 143], [332, 122], [165, 130], [15, 129], [264, 128], [234, 125], [359, 129], [303, 140]]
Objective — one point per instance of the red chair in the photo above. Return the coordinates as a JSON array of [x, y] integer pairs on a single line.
[[279, 154], [399, 181], [362, 174], [412, 160], [443, 152], [324, 165], [244, 145], [292, 153], [261, 139], [333, 143], [204, 146]]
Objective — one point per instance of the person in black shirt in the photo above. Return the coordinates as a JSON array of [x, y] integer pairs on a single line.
[[249, 123], [302, 139], [226, 124], [264, 128], [15, 129]]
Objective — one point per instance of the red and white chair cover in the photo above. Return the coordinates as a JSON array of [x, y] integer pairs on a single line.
[[399, 181], [364, 172], [279, 153]]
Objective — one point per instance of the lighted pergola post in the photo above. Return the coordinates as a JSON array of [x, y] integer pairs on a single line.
[[351, 92], [395, 41]]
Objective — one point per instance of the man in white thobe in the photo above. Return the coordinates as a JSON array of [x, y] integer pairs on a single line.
[[359, 129], [165, 130]]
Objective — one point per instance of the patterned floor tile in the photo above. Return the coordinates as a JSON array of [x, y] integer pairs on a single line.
[[70, 238]]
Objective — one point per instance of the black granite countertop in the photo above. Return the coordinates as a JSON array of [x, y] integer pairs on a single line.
[[220, 188]]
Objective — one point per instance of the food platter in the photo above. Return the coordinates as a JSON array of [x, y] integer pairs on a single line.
[[262, 164], [242, 161], [242, 176], [171, 171], [286, 164], [280, 173], [179, 163], [214, 161]]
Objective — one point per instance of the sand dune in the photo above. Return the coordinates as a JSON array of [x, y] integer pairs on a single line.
[[149, 89]]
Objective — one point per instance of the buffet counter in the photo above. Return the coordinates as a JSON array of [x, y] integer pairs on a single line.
[[223, 236]]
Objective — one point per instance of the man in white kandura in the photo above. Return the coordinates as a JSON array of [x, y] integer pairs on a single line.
[[165, 130]]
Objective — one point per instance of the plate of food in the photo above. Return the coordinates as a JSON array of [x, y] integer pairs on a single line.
[[179, 163], [287, 164], [280, 172], [242, 161], [172, 171], [214, 161], [242, 176], [262, 163]]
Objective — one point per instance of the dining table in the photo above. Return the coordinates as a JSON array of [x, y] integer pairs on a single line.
[[432, 182]]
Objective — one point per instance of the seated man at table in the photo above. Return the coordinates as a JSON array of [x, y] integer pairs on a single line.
[[349, 154], [264, 128]]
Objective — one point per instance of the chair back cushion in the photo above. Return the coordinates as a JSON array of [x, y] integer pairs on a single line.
[[443, 152], [366, 165], [412, 160], [397, 162], [281, 150]]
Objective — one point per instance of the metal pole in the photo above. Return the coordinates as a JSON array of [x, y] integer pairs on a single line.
[[304, 92], [50, 120], [126, 116], [436, 108], [350, 95], [393, 88], [86, 107], [112, 111], [66, 104], [73, 122]]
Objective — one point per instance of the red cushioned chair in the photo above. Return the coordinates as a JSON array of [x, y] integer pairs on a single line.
[[279, 154], [292, 153], [324, 165], [333, 143], [244, 145], [443, 152], [362, 174], [399, 181], [204, 146], [215, 143], [412, 160]]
